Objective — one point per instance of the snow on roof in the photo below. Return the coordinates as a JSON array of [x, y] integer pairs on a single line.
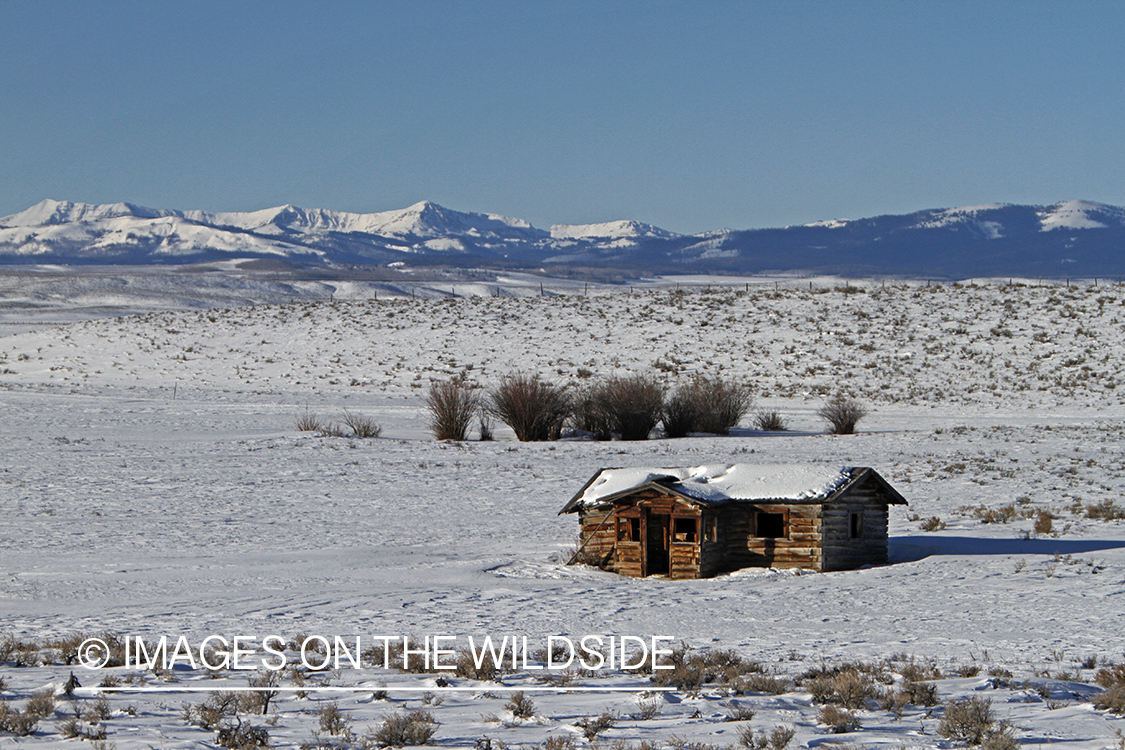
[[718, 482]]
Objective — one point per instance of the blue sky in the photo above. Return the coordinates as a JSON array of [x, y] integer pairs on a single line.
[[688, 115]]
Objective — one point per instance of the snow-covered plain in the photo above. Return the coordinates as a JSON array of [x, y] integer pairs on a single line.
[[154, 483]]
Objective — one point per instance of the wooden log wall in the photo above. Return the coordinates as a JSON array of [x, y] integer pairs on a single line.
[[742, 549], [841, 551], [604, 535]]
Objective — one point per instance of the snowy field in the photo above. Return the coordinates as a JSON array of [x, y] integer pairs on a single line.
[[153, 482]]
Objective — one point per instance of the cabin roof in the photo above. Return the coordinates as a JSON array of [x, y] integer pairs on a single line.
[[716, 483]]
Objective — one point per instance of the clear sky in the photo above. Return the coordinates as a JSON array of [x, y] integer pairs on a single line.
[[688, 115]]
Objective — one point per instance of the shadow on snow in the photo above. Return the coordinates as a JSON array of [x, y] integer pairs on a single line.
[[911, 548]]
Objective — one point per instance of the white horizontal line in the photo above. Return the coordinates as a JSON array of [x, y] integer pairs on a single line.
[[368, 689]]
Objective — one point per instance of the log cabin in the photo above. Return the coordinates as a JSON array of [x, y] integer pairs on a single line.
[[697, 522]]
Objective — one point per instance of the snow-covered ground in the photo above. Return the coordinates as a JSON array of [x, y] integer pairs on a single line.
[[153, 482]]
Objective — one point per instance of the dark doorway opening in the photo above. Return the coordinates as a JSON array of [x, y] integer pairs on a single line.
[[656, 545]]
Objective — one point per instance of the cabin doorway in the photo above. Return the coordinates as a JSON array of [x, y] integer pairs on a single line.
[[656, 544]]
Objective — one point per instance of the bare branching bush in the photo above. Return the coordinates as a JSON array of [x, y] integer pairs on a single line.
[[242, 736], [967, 720], [713, 405], [485, 668], [680, 413], [592, 726], [452, 405], [1044, 522], [258, 701], [777, 739], [588, 416], [308, 421], [842, 414], [921, 693], [647, 709], [332, 720], [761, 682], [629, 407], [1113, 680], [485, 427], [211, 713], [19, 723], [520, 705], [770, 420], [554, 742], [933, 523], [533, 408], [853, 688], [409, 729], [739, 712], [361, 426], [581, 553], [838, 720], [1106, 510], [1001, 737], [330, 429], [41, 705]]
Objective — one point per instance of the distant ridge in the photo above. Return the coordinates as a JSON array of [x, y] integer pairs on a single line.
[[1071, 238]]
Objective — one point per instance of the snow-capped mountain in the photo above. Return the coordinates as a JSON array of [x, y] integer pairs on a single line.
[[1072, 238]]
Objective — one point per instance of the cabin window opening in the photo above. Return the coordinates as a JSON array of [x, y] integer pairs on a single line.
[[855, 525], [770, 525], [685, 529], [628, 529], [711, 530]]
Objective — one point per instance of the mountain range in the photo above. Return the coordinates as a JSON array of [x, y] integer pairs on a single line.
[[1072, 238]]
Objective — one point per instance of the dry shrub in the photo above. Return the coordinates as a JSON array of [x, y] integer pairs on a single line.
[[838, 720], [739, 712], [587, 415], [361, 426], [628, 407], [41, 704], [533, 408], [967, 720], [713, 405], [921, 693], [778, 739], [592, 726], [308, 421], [520, 705], [242, 737], [452, 406], [330, 429], [211, 713], [933, 523], [770, 420], [918, 671], [583, 553], [852, 688], [1113, 680], [488, 671], [722, 404], [686, 673], [842, 414], [258, 701], [412, 729], [1044, 522], [1106, 510], [19, 723], [332, 719], [484, 427], [679, 414], [554, 742], [760, 682], [1112, 700]]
